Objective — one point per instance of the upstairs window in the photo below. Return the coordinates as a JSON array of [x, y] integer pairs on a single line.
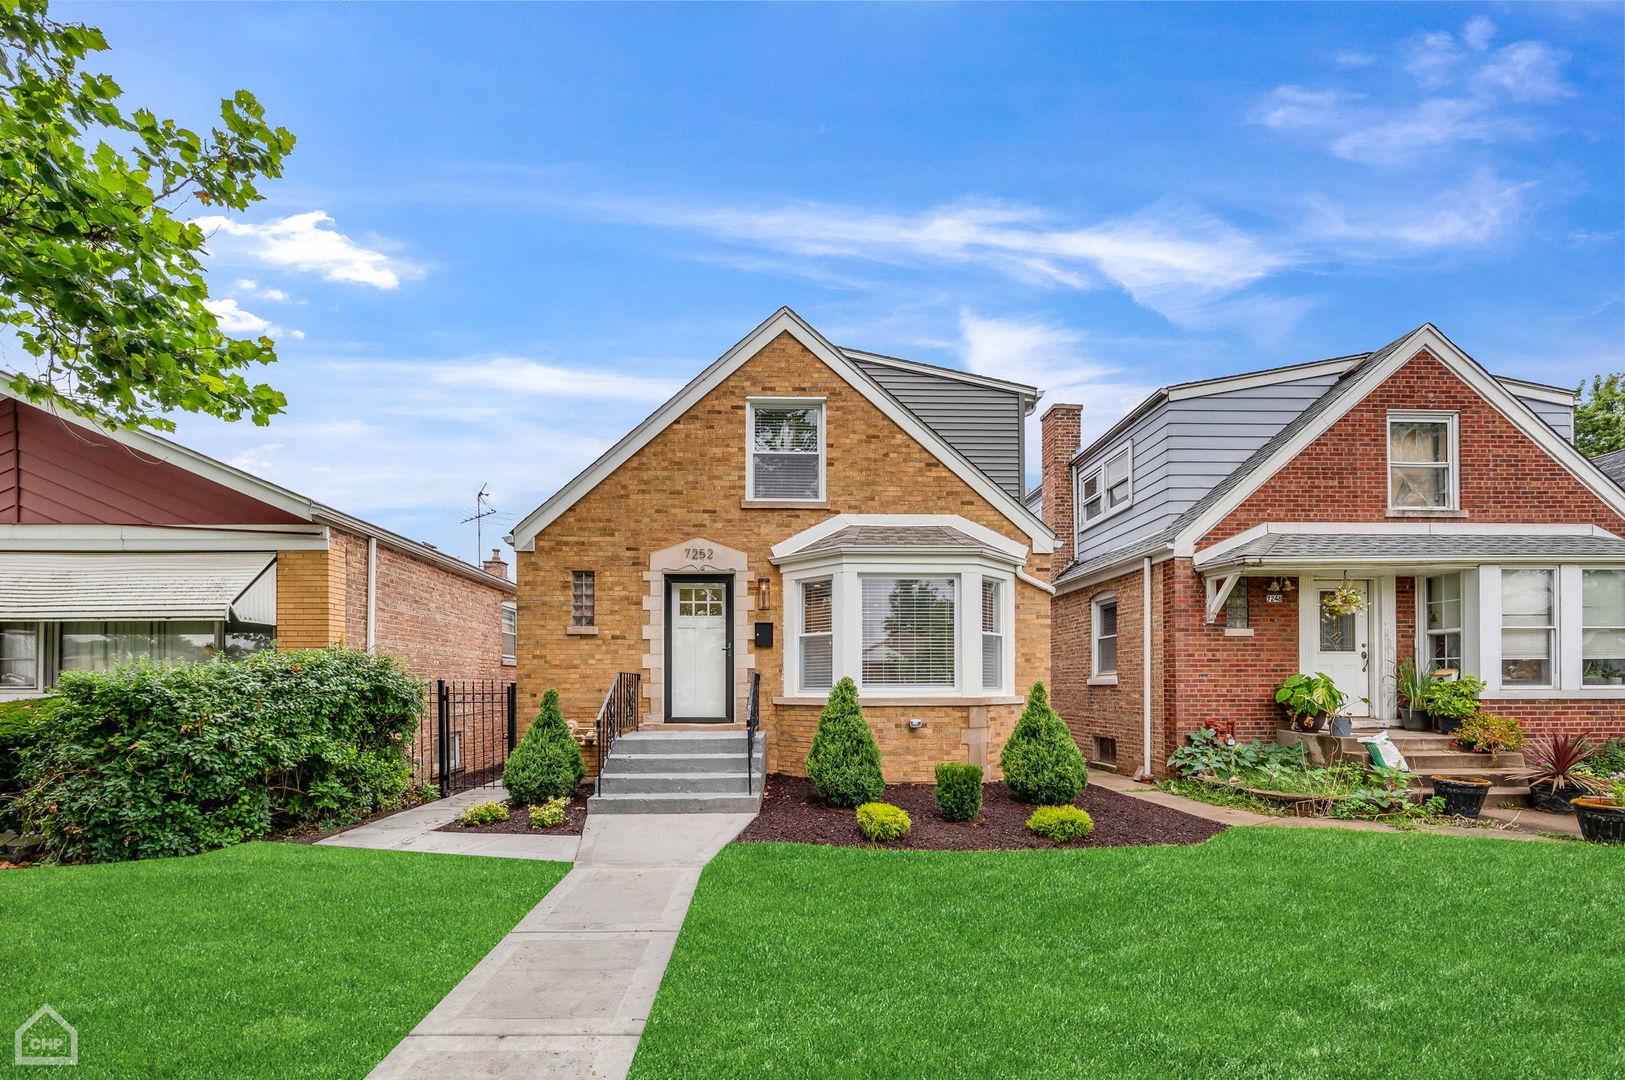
[[1106, 486], [1421, 461], [786, 459]]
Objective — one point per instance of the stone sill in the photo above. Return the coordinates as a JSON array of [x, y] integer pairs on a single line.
[[1392, 513], [1232, 631], [1101, 680], [587, 631], [1578, 693], [905, 702], [784, 504]]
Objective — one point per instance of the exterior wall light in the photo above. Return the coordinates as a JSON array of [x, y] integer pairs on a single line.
[[764, 593]]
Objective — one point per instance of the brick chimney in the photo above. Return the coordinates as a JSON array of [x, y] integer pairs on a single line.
[[495, 566], [1062, 430]]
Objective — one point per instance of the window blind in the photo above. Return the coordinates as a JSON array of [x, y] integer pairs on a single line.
[[786, 450], [817, 636], [908, 631]]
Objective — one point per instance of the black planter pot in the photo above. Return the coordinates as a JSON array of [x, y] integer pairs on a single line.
[[1342, 726], [1446, 725], [1415, 720], [1555, 800], [1601, 822], [1462, 798]]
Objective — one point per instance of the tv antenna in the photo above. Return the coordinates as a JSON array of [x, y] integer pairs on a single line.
[[481, 512]]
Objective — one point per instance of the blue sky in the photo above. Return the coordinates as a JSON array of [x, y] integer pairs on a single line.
[[508, 231]]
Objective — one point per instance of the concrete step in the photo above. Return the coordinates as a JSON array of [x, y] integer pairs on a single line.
[[712, 783], [623, 763], [683, 742], [1435, 760], [674, 803]]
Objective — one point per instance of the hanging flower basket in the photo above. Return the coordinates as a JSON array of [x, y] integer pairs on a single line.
[[1344, 600]]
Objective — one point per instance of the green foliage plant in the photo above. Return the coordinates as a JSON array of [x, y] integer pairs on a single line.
[[1042, 764], [1411, 684], [485, 813], [844, 761], [882, 821], [1062, 824], [959, 790], [1599, 415], [1489, 733], [1454, 699], [21, 722], [146, 761], [549, 813], [547, 762], [102, 282], [1308, 697]]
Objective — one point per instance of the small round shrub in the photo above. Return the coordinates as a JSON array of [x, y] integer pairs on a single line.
[[1061, 823], [549, 813], [485, 813], [547, 762], [1041, 763], [883, 821], [844, 762], [959, 790]]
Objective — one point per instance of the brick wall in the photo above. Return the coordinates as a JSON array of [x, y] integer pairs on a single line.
[[1113, 711], [1062, 427], [688, 483]]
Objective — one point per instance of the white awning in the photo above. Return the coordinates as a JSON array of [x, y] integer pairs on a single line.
[[60, 586]]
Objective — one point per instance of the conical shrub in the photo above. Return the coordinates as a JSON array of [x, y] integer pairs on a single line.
[[844, 764], [1041, 763], [547, 762]]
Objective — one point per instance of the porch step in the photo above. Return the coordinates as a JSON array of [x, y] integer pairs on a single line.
[[1446, 760], [681, 772], [674, 803]]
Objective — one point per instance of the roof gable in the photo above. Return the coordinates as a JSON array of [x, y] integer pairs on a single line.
[[783, 321]]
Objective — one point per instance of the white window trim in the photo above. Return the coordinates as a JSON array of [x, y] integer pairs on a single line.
[[42, 663], [510, 610], [846, 575], [1556, 659], [1097, 677], [1452, 422], [1568, 648], [751, 405], [1097, 468], [1580, 627]]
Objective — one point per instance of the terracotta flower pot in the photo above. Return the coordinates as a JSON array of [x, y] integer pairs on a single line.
[[1602, 821]]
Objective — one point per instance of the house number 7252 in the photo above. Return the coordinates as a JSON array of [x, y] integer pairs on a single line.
[[699, 554]]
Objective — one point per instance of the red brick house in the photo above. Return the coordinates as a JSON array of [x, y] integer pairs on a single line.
[[1204, 531], [802, 512], [119, 545]]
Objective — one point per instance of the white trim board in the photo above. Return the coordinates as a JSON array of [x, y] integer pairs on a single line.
[[782, 321], [1463, 367], [1402, 528]]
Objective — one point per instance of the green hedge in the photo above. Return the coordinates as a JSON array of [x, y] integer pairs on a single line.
[[959, 790], [20, 721], [146, 761], [547, 762], [1041, 763], [844, 761]]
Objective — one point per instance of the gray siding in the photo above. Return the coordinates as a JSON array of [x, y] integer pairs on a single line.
[[983, 423], [1560, 417], [1182, 449]]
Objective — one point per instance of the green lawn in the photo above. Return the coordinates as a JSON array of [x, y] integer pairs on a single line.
[[280, 961], [1266, 952]]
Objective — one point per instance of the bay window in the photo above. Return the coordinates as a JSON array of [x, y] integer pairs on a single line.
[[1421, 461], [909, 632], [1602, 627], [817, 637], [992, 634], [104, 645], [1528, 627]]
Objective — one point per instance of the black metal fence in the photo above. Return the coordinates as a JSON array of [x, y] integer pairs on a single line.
[[465, 734]]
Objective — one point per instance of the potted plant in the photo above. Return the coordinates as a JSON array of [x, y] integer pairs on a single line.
[[1602, 817], [1598, 673], [1463, 795], [1346, 599], [1411, 687], [1560, 775], [1485, 732], [1452, 701], [1309, 700]]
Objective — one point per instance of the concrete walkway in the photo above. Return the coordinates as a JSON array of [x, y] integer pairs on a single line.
[[414, 830], [565, 995]]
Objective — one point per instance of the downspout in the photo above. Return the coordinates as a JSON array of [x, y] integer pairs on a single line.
[[372, 592], [1145, 662]]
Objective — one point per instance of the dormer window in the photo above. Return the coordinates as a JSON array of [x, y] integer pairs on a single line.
[[785, 462], [1421, 461], [1106, 486]]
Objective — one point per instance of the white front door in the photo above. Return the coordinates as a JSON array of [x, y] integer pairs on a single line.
[[1341, 645], [698, 657]]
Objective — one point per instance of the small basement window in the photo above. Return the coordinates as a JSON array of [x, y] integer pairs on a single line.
[[583, 598], [1105, 749]]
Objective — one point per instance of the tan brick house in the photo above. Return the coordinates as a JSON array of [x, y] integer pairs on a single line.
[[804, 512], [118, 545], [1200, 537]]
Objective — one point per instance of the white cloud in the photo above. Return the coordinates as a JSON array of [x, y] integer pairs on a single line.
[[1430, 125], [1354, 59], [1470, 214], [1525, 71], [519, 375], [1164, 256], [256, 459], [251, 287], [1290, 106], [233, 319], [300, 242], [1478, 32]]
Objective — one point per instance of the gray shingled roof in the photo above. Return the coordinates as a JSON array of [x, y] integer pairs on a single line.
[[1285, 547], [894, 536], [1613, 465]]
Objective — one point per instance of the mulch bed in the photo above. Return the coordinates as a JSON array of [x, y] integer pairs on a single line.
[[575, 818], [792, 812]]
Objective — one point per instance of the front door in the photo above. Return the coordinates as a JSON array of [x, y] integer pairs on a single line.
[[699, 649], [1340, 645]]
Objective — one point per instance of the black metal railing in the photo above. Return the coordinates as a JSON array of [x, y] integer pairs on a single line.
[[753, 720], [617, 716], [464, 739]]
